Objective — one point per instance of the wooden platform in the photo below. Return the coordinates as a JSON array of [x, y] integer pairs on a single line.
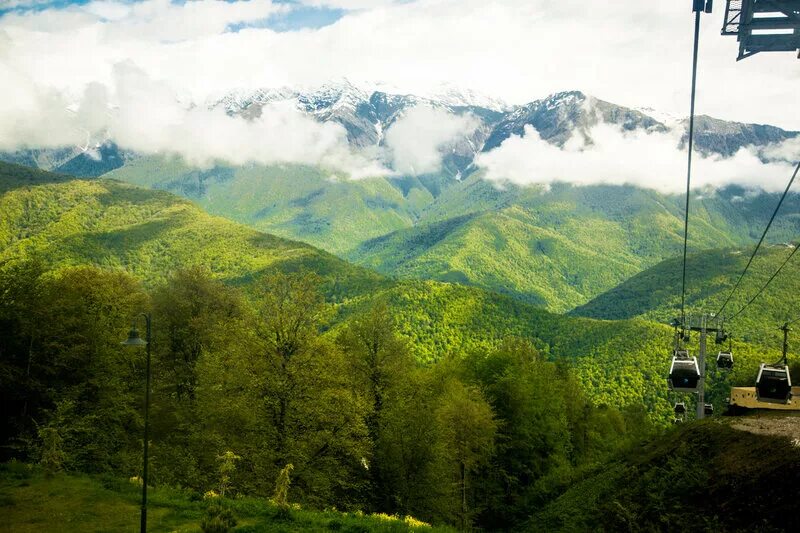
[[745, 398]]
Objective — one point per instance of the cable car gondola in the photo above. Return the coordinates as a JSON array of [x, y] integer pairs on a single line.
[[680, 408], [725, 360], [773, 384], [708, 409], [684, 373]]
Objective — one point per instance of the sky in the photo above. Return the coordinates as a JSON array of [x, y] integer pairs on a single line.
[[126, 56]]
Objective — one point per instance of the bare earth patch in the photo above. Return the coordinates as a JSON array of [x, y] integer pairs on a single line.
[[782, 426]]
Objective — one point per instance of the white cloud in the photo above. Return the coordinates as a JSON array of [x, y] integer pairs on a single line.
[[145, 116], [349, 4], [415, 140], [158, 21], [16, 4], [616, 157], [629, 52]]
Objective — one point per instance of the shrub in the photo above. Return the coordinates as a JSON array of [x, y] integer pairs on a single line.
[[52, 459], [227, 466], [219, 518], [281, 497]]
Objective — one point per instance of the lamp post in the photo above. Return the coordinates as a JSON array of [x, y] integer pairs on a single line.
[[134, 340]]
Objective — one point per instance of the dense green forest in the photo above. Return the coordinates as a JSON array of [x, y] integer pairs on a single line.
[[293, 201], [560, 247], [243, 388], [152, 233]]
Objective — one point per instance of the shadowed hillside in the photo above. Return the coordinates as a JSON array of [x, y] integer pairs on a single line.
[[709, 476]]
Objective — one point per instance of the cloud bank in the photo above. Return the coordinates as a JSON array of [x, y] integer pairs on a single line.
[[416, 139], [135, 71], [617, 157], [629, 52], [145, 116]]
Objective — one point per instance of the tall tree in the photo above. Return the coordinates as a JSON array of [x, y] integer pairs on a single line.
[[380, 362], [195, 317], [313, 415], [467, 430], [96, 387]]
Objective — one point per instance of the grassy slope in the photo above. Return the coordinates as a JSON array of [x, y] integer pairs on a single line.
[[655, 293], [703, 476], [29, 502], [149, 233], [296, 202]]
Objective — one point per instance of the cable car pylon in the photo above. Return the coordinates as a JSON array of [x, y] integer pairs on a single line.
[[688, 374]]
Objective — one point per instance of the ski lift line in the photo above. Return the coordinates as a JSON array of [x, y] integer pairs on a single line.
[[689, 159], [764, 287], [758, 246]]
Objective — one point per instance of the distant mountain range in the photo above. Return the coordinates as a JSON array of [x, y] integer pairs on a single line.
[[556, 247], [367, 114]]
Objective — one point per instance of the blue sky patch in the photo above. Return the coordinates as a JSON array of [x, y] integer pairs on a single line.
[[299, 17]]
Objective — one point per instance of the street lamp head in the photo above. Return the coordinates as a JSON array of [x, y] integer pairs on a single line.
[[133, 338]]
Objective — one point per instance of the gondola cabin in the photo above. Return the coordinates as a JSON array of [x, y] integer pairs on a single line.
[[708, 409], [680, 408], [725, 360], [773, 384], [684, 374]]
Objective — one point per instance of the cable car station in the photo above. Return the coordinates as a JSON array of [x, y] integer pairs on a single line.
[[763, 25]]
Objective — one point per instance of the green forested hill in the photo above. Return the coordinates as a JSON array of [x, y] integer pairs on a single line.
[[555, 247], [68, 221], [447, 402], [297, 202], [561, 247], [655, 293]]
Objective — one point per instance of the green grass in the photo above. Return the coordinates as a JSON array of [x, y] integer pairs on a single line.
[[31, 502]]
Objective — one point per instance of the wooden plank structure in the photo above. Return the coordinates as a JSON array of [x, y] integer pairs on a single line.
[[745, 398], [763, 25]]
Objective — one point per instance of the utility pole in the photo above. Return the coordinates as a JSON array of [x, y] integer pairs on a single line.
[[785, 329], [701, 362]]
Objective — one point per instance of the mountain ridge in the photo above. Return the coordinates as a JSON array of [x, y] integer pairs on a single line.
[[366, 113]]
